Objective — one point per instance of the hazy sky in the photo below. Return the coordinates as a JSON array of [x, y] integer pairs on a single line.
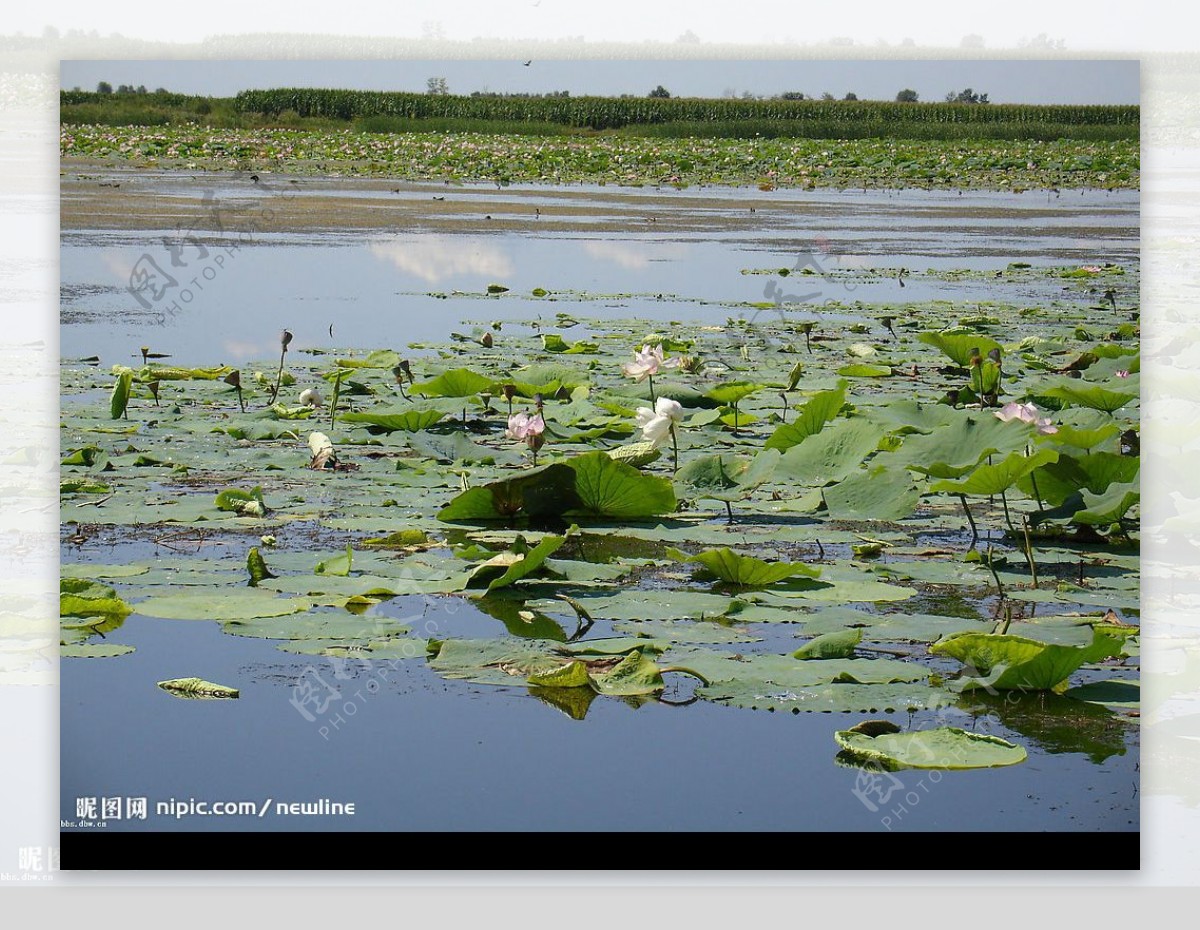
[[1006, 81]]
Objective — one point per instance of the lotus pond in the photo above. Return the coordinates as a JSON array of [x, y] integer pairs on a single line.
[[740, 510]]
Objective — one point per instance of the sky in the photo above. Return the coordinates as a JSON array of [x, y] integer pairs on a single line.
[[1151, 25], [1005, 81]]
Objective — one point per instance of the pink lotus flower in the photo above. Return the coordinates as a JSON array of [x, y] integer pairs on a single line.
[[1026, 413], [522, 426], [647, 362], [1123, 373], [1091, 269]]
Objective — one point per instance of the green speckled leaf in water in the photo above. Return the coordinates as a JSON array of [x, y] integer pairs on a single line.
[[942, 748]]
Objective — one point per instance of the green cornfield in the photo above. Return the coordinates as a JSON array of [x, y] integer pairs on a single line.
[[617, 112]]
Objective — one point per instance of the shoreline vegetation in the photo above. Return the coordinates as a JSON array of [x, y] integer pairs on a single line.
[[676, 142]]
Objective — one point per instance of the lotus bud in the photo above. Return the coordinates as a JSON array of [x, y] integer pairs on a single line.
[[285, 339]]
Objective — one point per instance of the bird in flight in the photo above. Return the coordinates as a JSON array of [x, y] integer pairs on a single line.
[[528, 63]]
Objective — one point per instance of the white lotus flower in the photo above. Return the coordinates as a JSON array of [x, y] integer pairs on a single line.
[[310, 397], [657, 424]]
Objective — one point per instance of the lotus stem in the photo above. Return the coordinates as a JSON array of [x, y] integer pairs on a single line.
[[1007, 518], [337, 387], [675, 448], [728, 511], [278, 376], [970, 519], [1029, 554], [650, 379], [992, 566]]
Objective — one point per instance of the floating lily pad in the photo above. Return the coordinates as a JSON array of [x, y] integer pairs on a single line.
[[93, 650], [941, 748], [234, 604]]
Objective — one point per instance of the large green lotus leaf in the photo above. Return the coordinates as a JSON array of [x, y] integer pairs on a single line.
[[232, 604], [733, 391], [607, 488], [832, 454], [501, 661], [936, 571], [874, 493], [545, 491], [1106, 508], [79, 597], [539, 377], [327, 625], [379, 358], [818, 410], [728, 477], [744, 570], [1107, 598], [955, 448], [839, 583], [1078, 394], [634, 674], [1005, 662], [579, 573], [892, 627], [942, 748], [864, 370], [93, 650], [391, 419], [458, 382], [456, 447], [959, 346], [988, 480], [676, 631], [1120, 693], [1085, 435], [911, 416], [572, 675], [530, 562], [1056, 481], [839, 645]]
